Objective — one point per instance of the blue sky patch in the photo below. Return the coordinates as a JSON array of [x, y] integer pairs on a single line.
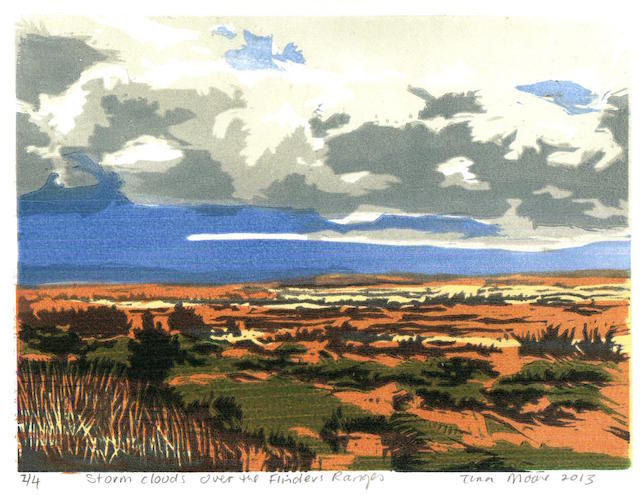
[[226, 31], [575, 99], [257, 54]]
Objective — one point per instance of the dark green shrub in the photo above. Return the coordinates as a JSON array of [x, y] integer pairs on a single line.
[[153, 352], [52, 340], [594, 347], [549, 342], [188, 322]]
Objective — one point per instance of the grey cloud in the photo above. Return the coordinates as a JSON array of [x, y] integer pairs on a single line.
[[294, 191], [31, 169], [546, 211], [616, 119], [421, 93], [294, 156], [130, 118], [412, 154], [402, 161], [458, 180], [524, 177], [50, 64], [206, 107], [112, 117], [28, 133], [599, 210], [613, 182], [320, 127], [402, 164], [448, 104], [228, 151], [197, 178]]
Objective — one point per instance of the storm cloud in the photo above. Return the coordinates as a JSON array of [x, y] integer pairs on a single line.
[[196, 143], [50, 64], [448, 104]]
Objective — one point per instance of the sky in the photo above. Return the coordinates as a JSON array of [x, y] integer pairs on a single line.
[[517, 124]]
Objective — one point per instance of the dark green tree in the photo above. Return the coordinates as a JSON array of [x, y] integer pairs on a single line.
[[184, 318], [188, 322], [153, 351]]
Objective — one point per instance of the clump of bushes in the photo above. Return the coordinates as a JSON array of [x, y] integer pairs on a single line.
[[561, 371], [548, 342], [336, 337], [565, 384], [457, 370], [51, 340], [153, 351], [493, 299], [335, 427], [188, 322], [454, 398], [594, 346], [224, 411], [300, 335], [94, 321], [552, 342]]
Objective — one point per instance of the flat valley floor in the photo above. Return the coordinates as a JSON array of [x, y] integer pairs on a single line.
[[518, 372]]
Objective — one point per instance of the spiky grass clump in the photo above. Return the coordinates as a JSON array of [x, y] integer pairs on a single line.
[[548, 342], [561, 344], [594, 346], [90, 417]]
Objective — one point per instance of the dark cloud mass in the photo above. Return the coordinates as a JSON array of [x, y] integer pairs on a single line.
[[320, 127], [131, 118], [414, 152], [183, 118], [447, 105], [32, 170], [295, 192], [50, 64], [390, 167], [56, 198], [212, 184], [616, 119]]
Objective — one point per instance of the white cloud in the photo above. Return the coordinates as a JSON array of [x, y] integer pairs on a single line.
[[509, 111], [248, 236], [532, 119], [144, 154], [453, 78], [370, 213], [147, 31], [354, 176], [516, 234], [60, 112], [285, 117], [456, 172], [362, 89]]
